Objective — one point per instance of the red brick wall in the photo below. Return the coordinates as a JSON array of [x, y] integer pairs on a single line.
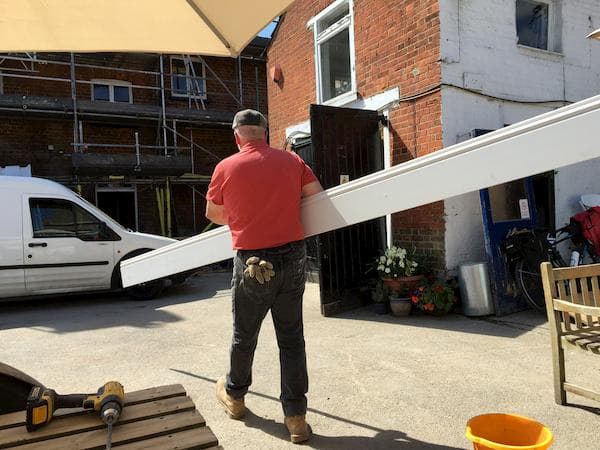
[[25, 140], [25, 137], [217, 98], [397, 43]]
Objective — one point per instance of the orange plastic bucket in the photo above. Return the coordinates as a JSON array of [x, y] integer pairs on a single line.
[[507, 432]]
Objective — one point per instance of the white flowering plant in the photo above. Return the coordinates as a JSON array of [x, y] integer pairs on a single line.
[[396, 262]]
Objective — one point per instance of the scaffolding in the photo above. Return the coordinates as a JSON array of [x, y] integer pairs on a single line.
[[190, 85]]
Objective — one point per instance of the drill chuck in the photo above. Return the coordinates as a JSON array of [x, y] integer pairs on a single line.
[[110, 412]]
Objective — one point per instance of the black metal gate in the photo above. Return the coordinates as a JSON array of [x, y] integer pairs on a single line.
[[346, 145]]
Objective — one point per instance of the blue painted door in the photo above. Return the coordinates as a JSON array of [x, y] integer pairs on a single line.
[[504, 207]]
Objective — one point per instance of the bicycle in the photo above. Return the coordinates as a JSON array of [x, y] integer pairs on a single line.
[[525, 249]]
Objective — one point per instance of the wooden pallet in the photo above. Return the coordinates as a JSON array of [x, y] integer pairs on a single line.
[[162, 418]]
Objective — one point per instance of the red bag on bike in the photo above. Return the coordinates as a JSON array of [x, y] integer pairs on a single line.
[[589, 224]]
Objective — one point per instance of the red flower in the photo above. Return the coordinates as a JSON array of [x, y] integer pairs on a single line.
[[414, 299]]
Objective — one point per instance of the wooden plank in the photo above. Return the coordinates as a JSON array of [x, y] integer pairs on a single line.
[[88, 421], [17, 419], [123, 433], [538, 144], [595, 291], [566, 273], [562, 294], [566, 306], [197, 438], [574, 389], [155, 393], [575, 299], [587, 300]]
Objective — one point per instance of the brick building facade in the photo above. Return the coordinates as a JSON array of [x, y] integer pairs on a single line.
[[396, 50], [76, 122], [440, 72]]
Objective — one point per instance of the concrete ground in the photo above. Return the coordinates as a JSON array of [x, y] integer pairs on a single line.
[[376, 382]]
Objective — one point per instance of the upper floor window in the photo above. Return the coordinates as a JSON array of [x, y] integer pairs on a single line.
[[536, 24], [188, 78], [334, 53], [112, 91]]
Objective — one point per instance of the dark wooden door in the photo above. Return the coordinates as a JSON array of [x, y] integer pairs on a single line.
[[346, 145]]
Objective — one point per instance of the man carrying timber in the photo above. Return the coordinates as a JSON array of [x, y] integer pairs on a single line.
[[257, 192]]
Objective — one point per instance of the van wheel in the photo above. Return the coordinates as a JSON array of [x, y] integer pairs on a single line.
[[146, 291]]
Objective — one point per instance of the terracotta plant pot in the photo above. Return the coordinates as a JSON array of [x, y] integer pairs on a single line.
[[400, 283], [400, 307]]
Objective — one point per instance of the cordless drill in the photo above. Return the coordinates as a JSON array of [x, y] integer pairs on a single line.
[[42, 402]]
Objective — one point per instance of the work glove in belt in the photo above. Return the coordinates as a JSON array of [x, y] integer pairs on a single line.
[[259, 269]]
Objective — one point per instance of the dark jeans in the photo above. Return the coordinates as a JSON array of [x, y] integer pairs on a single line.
[[251, 302]]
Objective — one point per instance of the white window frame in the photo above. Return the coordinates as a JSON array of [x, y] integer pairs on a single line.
[[320, 38], [111, 89], [188, 81], [553, 39]]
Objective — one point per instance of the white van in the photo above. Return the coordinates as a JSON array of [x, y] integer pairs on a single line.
[[53, 241]]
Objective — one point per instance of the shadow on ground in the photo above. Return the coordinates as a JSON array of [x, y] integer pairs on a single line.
[[383, 439], [72, 313], [510, 326]]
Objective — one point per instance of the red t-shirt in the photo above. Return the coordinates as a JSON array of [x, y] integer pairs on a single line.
[[261, 188]]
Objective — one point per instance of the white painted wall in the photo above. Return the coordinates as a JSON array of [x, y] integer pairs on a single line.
[[491, 82]]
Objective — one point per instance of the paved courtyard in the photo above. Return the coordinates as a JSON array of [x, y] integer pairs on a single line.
[[376, 382]]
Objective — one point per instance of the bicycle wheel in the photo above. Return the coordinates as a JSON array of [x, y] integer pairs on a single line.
[[530, 282]]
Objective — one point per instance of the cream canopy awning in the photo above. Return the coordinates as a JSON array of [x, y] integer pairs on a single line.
[[207, 27]]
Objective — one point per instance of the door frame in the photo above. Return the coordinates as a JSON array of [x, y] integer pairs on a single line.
[[110, 187]]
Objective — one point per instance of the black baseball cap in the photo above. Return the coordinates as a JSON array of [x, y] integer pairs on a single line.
[[249, 117]]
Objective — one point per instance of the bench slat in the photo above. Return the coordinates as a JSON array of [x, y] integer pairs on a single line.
[[574, 389], [575, 299], [197, 438], [88, 421], [565, 273], [17, 419], [123, 434], [595, 291], [566, 306], [562, 293]]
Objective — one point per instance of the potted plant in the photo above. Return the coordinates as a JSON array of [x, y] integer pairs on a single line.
[[400, 302], [379, 294], [398, 269], [436, 297]]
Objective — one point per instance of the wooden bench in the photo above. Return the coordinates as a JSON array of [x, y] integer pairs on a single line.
[[158, 418], [573, 307]]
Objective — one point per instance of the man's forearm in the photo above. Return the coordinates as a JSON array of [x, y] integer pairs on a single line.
[[219, 220], [217, 214]]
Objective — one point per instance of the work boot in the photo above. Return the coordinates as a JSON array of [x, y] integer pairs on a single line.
[[299, 430], [234, 407]]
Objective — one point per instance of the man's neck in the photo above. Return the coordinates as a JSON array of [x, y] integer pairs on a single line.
[[253, 143]]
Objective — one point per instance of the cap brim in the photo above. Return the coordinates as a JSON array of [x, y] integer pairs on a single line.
[[594, 34]]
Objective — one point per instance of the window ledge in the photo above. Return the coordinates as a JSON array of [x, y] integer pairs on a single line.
[[185, 97], [342, 99], [533, 51]]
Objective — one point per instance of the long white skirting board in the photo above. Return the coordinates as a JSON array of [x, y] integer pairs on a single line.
[[565, 136]]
